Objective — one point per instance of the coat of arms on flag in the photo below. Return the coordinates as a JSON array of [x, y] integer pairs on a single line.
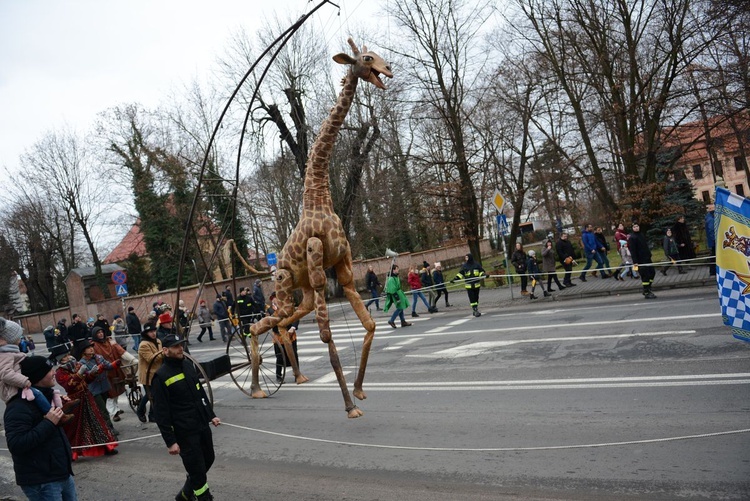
[[732, 227]]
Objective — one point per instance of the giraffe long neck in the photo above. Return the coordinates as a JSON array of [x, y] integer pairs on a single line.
[[317, 192]]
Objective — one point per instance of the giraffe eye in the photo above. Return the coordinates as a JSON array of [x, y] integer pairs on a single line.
[[367, 59]]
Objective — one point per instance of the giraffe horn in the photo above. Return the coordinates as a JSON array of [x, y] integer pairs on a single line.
[[353, 46]]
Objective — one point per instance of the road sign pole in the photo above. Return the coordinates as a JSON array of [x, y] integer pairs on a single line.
[[507, 267]]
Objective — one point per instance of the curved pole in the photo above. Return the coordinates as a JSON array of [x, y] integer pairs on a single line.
[[283, 38]]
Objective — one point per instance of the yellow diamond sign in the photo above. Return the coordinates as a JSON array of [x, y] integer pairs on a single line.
[[498, 200]]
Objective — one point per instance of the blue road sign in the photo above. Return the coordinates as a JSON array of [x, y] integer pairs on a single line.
[[122, 290], [271, 258], [502, 224], [119, 277]]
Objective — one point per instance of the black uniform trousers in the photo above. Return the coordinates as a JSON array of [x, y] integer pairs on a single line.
[[197, 453]]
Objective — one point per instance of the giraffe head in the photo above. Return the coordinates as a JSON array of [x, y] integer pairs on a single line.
[[365, 65]]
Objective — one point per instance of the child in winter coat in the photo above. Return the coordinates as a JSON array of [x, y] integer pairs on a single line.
[[532, 268], [11, 379], [627, 262]]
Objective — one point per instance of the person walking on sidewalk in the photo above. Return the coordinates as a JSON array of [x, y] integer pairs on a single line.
[[472, 274], [222, 317], [602, 247], [372, 285], [134, 327], [394, 296], [548, 266], [518, 259], [532, 265], [565, 255], [439, 281], [670, 252], [590, 250], [638, 246], [415, 284]]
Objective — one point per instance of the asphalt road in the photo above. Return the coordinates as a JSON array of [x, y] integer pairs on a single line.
[[614, 398]]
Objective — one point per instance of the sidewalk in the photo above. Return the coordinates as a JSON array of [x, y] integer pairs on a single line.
[[492, 297]]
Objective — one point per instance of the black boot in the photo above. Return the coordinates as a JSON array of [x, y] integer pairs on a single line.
[[406, 324], [547, 294], [205, 496], [186, 493], [647, 292]]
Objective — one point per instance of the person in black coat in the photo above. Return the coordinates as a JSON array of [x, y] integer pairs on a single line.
[[682, 238], [134, 327], [638, 246], [183, 413], [78, 330], [42, 458], [565, 254], [372, 285]]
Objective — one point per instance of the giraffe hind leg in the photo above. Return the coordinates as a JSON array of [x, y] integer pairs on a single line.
[[344, 271], [317, 281]]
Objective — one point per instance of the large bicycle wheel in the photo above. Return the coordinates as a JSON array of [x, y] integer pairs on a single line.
[[240, 355]]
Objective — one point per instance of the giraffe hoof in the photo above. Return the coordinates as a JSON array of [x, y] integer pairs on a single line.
[[259, 394], [301, 379], [359, 394], [355, 413]]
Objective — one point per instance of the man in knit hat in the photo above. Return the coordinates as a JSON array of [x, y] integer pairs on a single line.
[[32, 434]]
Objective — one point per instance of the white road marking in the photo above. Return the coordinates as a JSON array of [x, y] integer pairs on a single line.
[[449, 325], [556, 384], [331, 376], [473, 349]]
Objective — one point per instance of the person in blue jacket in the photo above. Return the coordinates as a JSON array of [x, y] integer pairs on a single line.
[[590, 251]]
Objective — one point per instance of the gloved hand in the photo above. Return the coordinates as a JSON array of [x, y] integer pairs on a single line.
[[94, 370], [83, 370]]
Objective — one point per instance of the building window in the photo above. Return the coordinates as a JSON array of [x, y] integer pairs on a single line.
[[706, 197], [697, 172], [719, 168], [740, 190], [679, 175], [739, 164]]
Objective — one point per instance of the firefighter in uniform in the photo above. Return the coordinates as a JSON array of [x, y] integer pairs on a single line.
[[183, 413], [638, 246], [245, 309], [472, 274]]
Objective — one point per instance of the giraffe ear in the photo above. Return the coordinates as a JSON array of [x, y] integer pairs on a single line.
[[342, 58]]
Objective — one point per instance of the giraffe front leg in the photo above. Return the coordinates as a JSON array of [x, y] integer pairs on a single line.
[[317, 281]]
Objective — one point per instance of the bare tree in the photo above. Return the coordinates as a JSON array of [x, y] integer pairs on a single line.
[[66, 162], [444, 61]]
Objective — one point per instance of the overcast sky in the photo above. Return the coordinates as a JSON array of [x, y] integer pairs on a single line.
[[62, 62]]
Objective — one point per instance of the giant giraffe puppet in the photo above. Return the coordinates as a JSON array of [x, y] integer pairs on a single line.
[[318, 242]]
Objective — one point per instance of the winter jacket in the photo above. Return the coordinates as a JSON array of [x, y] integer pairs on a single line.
[[426, 278], [601, 242], [589, 242], [244, 306], [99, 383], [182, 407], [11, 379], [471, 273], [532, 266], [414, 282], [564, 250], [372, 280], [147, 351], [121, 333], [710, 232], [133, 323], [620, 236], [394, 295], [438, 280], [204, 316], [670, 247], [78, 331], [40, 450], [639, 248], [548, 259], [220, 310], [518, 260], [259, 299]]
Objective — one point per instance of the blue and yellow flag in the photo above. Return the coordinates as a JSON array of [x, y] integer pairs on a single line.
[[732, 226]]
